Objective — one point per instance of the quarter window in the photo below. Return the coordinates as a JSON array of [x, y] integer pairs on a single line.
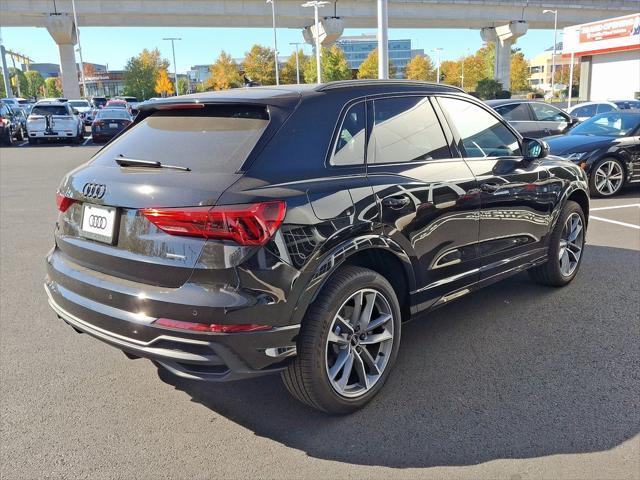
[[605, 107], [349, 148], [406, 129], [481, 134]]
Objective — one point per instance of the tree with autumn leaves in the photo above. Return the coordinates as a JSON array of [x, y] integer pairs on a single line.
[[369, 67], [163, 85], [141, 73]]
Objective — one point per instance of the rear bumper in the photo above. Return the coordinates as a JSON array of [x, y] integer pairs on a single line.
[[59, 134], [88, 303]]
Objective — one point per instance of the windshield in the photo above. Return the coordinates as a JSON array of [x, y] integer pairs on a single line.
[[79, 103], [113, 113], [213, 139], [49, 110], [611, 124]]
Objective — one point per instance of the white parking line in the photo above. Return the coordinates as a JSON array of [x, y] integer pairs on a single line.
[[23, 143], [630, 225], [86, 141], [616, 206]]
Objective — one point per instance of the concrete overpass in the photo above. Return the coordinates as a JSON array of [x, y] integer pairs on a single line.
[[512, 17]]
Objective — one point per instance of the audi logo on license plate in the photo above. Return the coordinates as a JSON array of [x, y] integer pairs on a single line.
[[98, 221]]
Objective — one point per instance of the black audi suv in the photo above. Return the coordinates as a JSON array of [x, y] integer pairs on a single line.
[[294, 229]]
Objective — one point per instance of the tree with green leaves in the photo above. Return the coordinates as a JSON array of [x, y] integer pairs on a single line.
[[183, 86], [420, 67], [224, 74], [141, 72], [34, 84], [488, 89], [259, 65], [333, 64], [288, 69], [52, 87], [369, 67]]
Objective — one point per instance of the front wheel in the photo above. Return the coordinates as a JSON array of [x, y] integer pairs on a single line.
[[607, 178], [348, 342], [565, 250]]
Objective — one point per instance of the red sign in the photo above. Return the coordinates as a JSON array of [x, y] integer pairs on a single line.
[[606, 30]]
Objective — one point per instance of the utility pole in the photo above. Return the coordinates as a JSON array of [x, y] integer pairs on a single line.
[[5, 71], [175, 68], [555, 42], [296, 44], [275, 39], [437, 51]]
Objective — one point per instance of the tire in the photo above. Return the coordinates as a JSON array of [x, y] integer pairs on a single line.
[[554, 272], [607, 177], [8, 138], [318, 354], [21, 135]]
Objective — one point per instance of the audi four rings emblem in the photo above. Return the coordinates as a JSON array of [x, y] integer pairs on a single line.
[[98, 221], [94, 190]]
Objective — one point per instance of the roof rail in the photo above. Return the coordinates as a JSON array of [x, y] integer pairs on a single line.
[[405, 83]]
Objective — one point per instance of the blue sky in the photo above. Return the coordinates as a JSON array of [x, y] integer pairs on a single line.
[[113, 46]]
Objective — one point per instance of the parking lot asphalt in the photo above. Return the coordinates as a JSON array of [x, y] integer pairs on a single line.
[[515, 382]]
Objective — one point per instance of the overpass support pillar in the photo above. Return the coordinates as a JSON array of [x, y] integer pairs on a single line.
[[504, 37], [62, 29]]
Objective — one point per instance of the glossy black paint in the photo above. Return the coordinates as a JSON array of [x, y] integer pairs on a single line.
[[437, 229], [626, 149]]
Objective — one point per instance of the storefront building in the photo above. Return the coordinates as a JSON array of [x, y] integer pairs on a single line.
[[609, 52]]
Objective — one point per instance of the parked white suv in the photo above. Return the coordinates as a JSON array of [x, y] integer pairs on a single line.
[[54, 119], [84, 109]]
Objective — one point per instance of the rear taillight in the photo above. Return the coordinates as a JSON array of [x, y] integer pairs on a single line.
[[248, 224], [213, 327], [63, 202]]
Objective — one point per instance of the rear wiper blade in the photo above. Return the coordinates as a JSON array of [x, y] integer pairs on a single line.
[[136, 162]]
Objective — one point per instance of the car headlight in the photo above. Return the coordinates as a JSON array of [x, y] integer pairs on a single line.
[[575, 156]]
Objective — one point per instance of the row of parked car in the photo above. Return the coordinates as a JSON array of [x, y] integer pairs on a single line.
[[60, 118], [602, 137]]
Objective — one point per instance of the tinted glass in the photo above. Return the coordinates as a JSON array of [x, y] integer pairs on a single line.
[[212, 139], [586, 111], [547, 113], [613, 124], [406, 129], [604, 108], [628, 104], [4, 110], [514, 112], [481, 134], [49, 110], [79, 103], [113, 113], [349, 148]]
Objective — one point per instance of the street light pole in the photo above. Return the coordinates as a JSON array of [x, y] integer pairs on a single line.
[[175, 68], [555, 42], [275, 38], [297, 61], [75, 21], [383, 40], [316, 5], [437, 50]]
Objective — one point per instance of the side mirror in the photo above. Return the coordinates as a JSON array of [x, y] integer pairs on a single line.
[[573, 121], [75, 111], [534, 149]]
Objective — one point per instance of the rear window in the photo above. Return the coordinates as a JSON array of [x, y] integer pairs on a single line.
[[211, 139], [49, 110], [79, 103], [112, 113]]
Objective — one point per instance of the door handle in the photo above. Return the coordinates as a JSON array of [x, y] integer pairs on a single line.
[[489, 187], [396, 202]]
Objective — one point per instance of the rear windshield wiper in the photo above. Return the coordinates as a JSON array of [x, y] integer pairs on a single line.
[[135, 162]]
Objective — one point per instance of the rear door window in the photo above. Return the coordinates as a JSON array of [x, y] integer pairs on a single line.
[[211, 139], [406, 129], [349, 146], [605, 107], [49, 110], [514, 112], [585, 111]]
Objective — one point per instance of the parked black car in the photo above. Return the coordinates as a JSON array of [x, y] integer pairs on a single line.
[[607, 147], [292, 229], [108, 123], [533, 119], [10, 127]]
